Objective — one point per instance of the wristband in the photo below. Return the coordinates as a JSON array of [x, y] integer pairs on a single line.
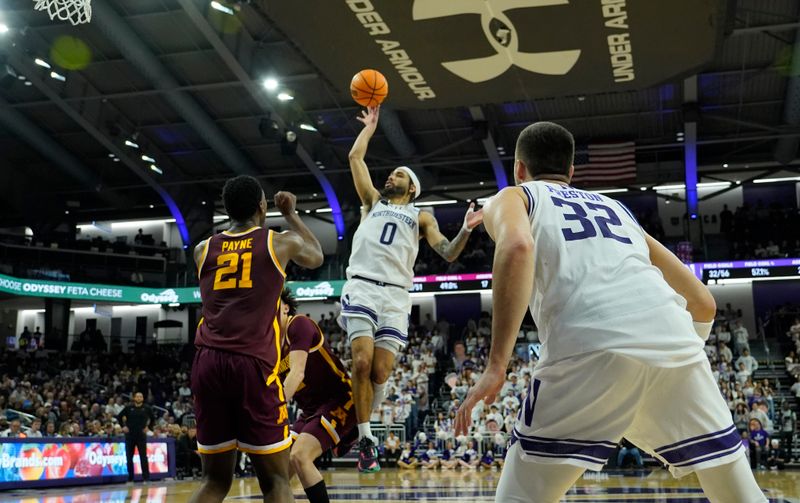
[[703, 328]]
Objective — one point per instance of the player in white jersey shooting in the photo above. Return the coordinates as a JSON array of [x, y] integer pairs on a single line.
[[622, 323], [375, 300]]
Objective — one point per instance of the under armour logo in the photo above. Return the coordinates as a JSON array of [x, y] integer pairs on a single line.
[[499, 31]]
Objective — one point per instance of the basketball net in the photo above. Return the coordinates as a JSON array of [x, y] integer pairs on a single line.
[[74, 11]]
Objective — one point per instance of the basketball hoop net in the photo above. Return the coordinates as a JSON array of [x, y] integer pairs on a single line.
[[74, 11]]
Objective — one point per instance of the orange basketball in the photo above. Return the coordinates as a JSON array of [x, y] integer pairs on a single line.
[[369, 88]]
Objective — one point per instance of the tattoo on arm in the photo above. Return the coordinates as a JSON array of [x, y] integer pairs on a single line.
[[450, 250]]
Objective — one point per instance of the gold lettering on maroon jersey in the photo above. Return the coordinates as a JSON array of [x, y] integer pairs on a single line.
[[228, 264]]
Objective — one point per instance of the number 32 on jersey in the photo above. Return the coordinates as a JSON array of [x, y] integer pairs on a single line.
[[603, 216]]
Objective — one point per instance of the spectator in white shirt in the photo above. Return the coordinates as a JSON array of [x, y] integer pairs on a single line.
[[14, 430], [36, 429], [750, 363], [512, 384], [742, 374], [184, 391], [740, 338], [510, 401], [725, 353], [494, 415], [723, 335]]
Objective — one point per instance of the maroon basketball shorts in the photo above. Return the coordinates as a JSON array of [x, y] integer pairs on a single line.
[[331, 424], [238, 404]]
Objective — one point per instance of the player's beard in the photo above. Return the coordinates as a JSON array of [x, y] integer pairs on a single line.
[[393, 191]]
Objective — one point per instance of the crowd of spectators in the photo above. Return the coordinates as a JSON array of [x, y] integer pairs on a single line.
[[766, 426], [763, 231], [81, 395]]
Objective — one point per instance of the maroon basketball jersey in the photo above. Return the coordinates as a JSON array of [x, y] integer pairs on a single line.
[[240, 284], [326, 379]]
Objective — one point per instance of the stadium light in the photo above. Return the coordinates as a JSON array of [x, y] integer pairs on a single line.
[[131, 144], [713, 185], [609, 191], [271, 84], [3, 28], [155, 168], [677, 186], [324, 210], [222, 8], [42, 63], [284, 96], [307, 127], [58, 76], [147, 158], [773, 180]]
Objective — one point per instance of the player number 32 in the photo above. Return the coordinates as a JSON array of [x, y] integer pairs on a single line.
[[604, 221], [227, 273]]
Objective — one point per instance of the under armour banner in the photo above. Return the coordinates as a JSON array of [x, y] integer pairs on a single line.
[[439, 53]]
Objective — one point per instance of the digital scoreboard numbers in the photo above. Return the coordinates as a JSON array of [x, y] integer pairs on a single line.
[[777, 268], [455, 283]]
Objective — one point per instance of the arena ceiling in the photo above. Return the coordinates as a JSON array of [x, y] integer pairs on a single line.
[[184, 82]]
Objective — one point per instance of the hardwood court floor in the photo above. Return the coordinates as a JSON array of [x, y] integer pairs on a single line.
[[391, 485]]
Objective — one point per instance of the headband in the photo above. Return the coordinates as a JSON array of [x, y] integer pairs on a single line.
[[414, 179]]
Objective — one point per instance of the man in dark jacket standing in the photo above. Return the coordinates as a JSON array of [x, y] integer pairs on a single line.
[[135, 418]]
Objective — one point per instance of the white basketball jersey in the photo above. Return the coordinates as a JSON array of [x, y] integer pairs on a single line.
[[594, 286], [386, 244]]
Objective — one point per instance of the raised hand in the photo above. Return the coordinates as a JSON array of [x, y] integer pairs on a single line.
[[473, 218], [285, 202], [369, 117]]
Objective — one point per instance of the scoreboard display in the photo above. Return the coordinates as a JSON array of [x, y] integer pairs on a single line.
[[451, 283], [751, 269]]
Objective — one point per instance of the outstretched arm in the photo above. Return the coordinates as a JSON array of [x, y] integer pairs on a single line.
[[449, 250], [367, 192], [298, 244]]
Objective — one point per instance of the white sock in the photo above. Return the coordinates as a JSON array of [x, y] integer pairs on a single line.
[[378, 395], [364, 431]]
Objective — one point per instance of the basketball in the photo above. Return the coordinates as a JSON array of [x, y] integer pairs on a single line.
[[369, 88]]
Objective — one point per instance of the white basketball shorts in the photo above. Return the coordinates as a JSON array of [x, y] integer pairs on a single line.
[[577, 411], [387, 308]]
